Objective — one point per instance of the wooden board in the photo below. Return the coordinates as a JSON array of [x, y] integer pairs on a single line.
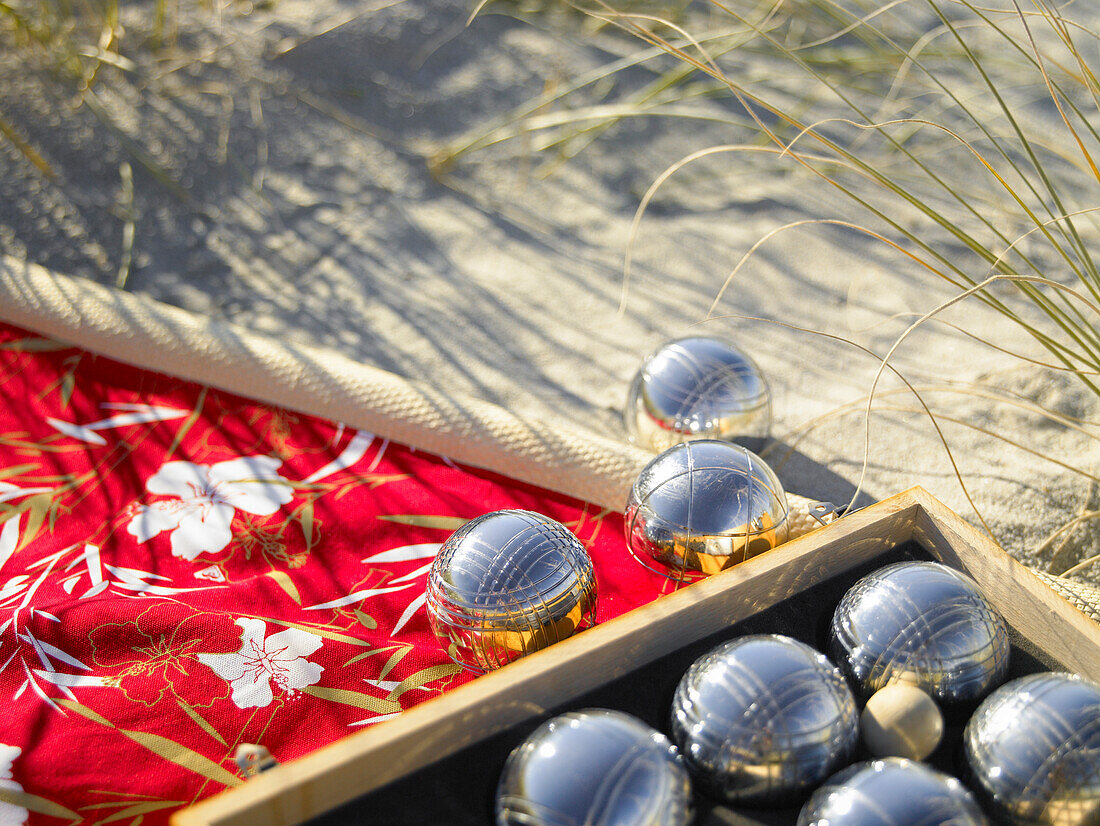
[[362, 762]]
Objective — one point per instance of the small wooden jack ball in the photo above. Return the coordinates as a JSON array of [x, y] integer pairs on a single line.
[[901, 720]]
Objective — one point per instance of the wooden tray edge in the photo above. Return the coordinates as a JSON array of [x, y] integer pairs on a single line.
[[297, 791]]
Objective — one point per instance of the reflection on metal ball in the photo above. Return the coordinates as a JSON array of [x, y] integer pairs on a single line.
[[697, 388], [700, 507], [920, 622], [594, 767], [891, 792], [763, 717], [1033, 750], [506, 584]]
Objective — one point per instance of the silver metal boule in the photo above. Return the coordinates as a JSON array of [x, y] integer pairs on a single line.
[[506, 584], [763, 717], [701, 507], [924, 623], [697, 388], [594, 767], [1033, 750], [891, 792]]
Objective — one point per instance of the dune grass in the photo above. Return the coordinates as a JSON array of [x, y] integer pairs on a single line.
[[1023, 211], [73, 41], [110, 60], [964, 135]]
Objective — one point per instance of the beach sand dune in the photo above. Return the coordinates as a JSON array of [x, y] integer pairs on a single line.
[[309, 203]]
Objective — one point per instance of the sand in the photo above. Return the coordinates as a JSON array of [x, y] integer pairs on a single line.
[[303, 134]]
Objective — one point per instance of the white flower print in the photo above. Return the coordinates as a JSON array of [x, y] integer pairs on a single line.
[[211, 572], [205, 498], [10, 814], [279, 659]]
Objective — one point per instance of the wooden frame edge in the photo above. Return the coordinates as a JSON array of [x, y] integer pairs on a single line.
[[1037, 613], [334, 774], [362, 762]]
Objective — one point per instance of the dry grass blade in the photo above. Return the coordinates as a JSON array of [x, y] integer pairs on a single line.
[[651, 192], [25, 149], [884, 366], [96, 67], [127, 176], [1054, 95], [978, 288], [532, 116], [992, 345]]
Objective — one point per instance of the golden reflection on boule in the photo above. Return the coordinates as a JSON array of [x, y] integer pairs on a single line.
[[703, 507]]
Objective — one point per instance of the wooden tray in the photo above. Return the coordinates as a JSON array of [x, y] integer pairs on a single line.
[[1046, 629]]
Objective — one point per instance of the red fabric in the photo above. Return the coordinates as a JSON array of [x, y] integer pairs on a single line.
[[183, 570]]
